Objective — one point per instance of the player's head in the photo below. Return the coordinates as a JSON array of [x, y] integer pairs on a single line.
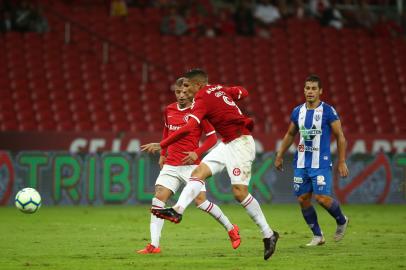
[[195, 80], [312, 88], [182, 95]]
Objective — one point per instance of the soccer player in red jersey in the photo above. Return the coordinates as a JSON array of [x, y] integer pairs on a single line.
[[236, 152], [174, 171]]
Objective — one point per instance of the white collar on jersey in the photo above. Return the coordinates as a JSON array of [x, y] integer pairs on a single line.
[[321, 103], [180, 109]]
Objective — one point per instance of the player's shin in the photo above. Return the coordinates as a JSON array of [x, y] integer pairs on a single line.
[[310, 216], [253, 209], [156, 224], [216, 212], [189, 193], [335, 211]]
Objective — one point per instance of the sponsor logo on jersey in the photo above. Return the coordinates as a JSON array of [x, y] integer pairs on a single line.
[[298, 180], [305, 148], [296, 187], [236, 171], [173, 127], [186, 118], [308, 134]]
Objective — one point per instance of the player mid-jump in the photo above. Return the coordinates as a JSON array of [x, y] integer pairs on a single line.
[[236, 152]]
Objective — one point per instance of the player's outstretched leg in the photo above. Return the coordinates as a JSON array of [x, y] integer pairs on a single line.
[[232, 229], [253, 209], [156, 225], [189, 193], [333, 208]]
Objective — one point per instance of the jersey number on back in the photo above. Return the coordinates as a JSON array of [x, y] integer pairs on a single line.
[[230, 102]]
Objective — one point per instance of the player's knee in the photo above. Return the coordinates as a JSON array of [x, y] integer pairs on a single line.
[[201, 198], [240, 192], [162, 193], [201, 172], [323, 200], [305, 200]]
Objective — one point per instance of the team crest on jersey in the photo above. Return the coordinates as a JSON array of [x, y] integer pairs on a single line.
[[236, 171], [317, 117]]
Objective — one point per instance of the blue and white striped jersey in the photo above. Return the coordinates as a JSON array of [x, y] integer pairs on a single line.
[[314, 127]]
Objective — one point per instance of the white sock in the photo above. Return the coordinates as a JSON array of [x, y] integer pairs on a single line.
[[254, 211], [189, 193], [156, 224], [216, 212]]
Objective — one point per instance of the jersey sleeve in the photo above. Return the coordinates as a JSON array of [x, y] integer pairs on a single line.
[[332, 114], [208, 129], [236, 92], [199, 109], [294, 116], [211, 138]]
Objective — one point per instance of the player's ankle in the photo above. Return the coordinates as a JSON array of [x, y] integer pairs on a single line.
[[179, 209]]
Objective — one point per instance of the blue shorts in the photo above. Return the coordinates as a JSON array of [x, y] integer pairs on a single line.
[[317, 181]]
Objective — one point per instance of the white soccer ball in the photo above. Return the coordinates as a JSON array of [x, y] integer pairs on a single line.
[[28, 200]]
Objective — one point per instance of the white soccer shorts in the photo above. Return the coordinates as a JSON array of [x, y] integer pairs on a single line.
[[237, 156], [172, 177]]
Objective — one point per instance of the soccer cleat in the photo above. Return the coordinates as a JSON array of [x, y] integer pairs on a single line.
[[340, 231], [149, 249], [317, 240], [168, 214], [270, 245], [234, 235]]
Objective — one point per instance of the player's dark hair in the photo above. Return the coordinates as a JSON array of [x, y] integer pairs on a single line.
[[197, 74], [314, 78]]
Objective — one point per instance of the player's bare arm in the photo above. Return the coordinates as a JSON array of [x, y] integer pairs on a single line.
[[286, 143], [190, 158], [209, 142], [151, 147], [341, 146]]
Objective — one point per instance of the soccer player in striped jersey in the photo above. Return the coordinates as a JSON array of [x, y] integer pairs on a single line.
[[177, 162], [315, 121]]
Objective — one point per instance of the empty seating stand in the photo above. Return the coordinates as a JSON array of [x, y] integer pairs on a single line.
[[47, 85]]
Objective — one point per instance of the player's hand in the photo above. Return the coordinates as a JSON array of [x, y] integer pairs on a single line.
[[342, 169], [161, 162], [190, 158], [151, 147], [278, 163]]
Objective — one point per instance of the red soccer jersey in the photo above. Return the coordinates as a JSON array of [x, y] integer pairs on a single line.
[[216, 104], [175, 118]]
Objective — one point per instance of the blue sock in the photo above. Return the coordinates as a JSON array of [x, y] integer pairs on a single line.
[[335, 212], [310, 216]]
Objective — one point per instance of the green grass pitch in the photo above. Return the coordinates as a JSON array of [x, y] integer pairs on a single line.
[[105, 238]]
